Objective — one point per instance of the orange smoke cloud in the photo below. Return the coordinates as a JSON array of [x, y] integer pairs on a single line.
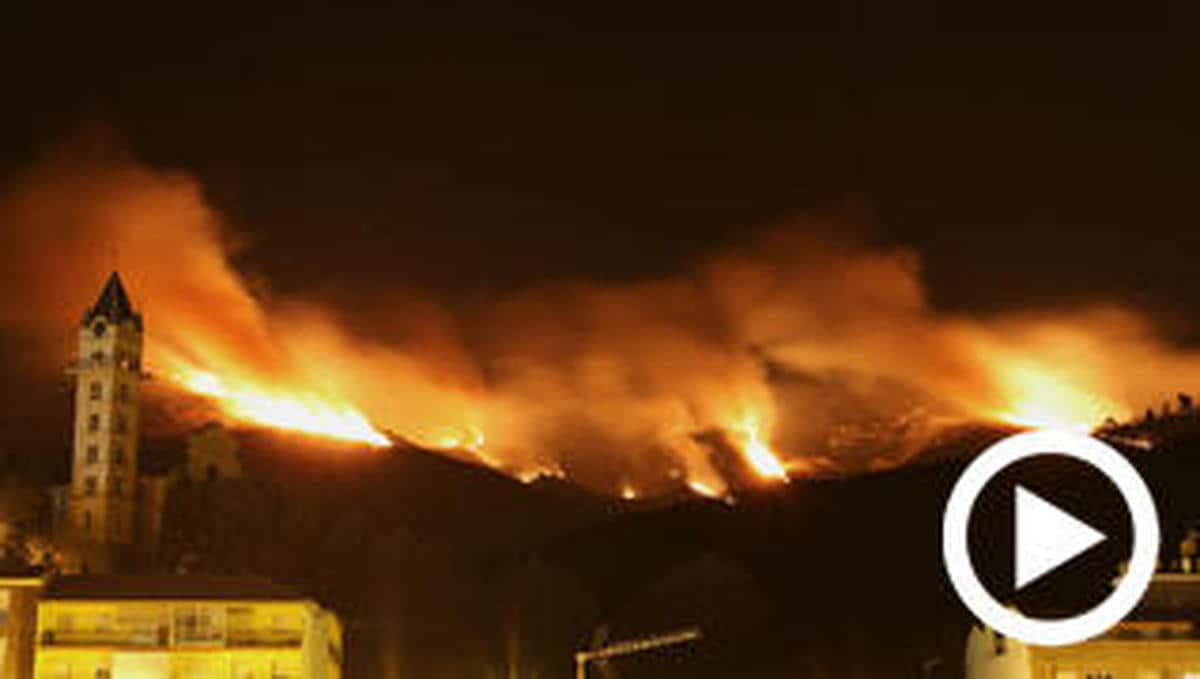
[[803, 351]]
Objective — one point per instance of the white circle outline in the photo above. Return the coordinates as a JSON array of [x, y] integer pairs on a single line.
[[1056, 632]]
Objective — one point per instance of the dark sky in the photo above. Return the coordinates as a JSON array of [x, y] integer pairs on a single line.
[[1034, 157]]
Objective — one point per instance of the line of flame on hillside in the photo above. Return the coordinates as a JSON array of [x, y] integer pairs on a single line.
[[1038, 398], [310, 413], [1023, 389]]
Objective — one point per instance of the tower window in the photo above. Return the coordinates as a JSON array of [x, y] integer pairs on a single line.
[[98, 356], [123, 393], [119, 424], [95, 390], [118, 455], [93, 454], [93, 423], [89, 485], [87, 520], [116, 485]]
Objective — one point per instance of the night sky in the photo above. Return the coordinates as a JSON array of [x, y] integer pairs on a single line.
[[474, 147]]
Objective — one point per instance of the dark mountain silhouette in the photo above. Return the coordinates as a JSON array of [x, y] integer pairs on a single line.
[[443, 568]]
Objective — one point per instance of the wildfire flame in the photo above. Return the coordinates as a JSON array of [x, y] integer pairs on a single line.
[[748, 431], [469, 438], [703, 489], [1039, 392], [304, 412]]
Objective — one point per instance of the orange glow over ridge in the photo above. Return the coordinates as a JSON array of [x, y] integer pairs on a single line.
[[1047, 392]]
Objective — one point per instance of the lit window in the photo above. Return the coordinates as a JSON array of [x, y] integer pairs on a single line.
[[195, 624], [105, 622], [95, 390], [66, 622]]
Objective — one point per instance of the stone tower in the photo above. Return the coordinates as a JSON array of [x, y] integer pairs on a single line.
[[104, 482]]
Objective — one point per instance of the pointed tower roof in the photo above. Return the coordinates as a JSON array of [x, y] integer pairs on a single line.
[[113, 304]]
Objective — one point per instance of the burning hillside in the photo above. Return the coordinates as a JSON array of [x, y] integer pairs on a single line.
[[797, 352]]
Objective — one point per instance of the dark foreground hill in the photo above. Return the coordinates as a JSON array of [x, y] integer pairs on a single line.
[[445, 569]]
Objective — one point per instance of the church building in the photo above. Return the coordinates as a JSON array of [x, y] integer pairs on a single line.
[[100, 515]]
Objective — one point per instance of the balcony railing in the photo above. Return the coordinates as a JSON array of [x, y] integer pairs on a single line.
[[161, 638], [154, 637], [243, 638]]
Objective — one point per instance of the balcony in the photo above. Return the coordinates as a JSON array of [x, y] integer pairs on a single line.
[[146, 637], [258, 638], [161, 638]]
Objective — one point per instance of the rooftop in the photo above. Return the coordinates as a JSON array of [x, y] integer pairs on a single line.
[[167, 587], [113, 304]]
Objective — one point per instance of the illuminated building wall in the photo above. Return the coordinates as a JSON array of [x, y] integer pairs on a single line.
[[180, 627], [1160, 640], [18, 614]]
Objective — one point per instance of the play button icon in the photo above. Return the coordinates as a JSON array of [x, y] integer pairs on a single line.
[[1046, 537]]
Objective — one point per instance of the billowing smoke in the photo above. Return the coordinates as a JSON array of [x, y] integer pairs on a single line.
[[791, 353]]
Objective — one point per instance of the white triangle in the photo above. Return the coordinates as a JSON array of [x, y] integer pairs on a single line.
[[1046, 537]]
